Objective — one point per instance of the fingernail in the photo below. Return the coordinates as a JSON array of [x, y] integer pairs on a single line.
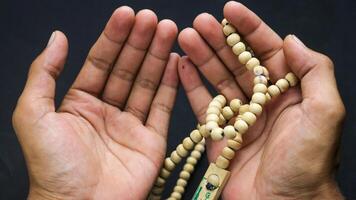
[[51, 39], [298, 40]]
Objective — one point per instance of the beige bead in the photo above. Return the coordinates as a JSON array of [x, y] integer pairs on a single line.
[[268, 97], [182, 182], [175, 157], [253, 62], [217, 134], [260, 79], [228, 29], [244, 57], [228, 153], [188, 167], [211, 125], [229, 131], [156, 197], [244, 108], [182, 152], [233, 144], [233, 39], [255, 108], [224, 22], [238, 48], [205, 133], [196, 154], [222, 162], [215, 103], [258, 70], [241, 126], [292, 79], [214, 180], [176, 195], [199, 147], [259, 87], [259, 98], [265, 72], [221, 120], [273, 91], [192, 160], [169, 164], [227, 113], [160, 182], [235, 105], [164, 173], [221, 99], [249, 118], [282, 84], [184, 175], [196, 136], [213, 110], [188, 143], [178, 189], [238, 138], [157, 190]]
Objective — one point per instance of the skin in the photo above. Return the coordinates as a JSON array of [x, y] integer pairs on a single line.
[[290, 153], [108, 136]]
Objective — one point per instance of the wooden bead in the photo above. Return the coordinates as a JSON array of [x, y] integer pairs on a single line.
[[176, 195], [199, 147], [259, 98], [196, 154], [259, 87], [227, 113], [229, 131], [241, 126], [235, 105], [249, 118], [169, 164], [214, 180], [260, 79], [178, 189], [157, 190], [160, 182], [196, 136], [175, 157], [215, 103], [244, 57], [211, 125], [222, 162], [252, 63], [164, 173], [244, 108], [268, 97], [182, 152], [258, 70], [282, 84], [213, 110], [234, 145], [221, 120], [184, 175], [182, 182], [224, 22], [205, 133], [228, 29], [192, 160], [238, 48], [233, 39], [273, 91], [292, 79], [265, 72], [188, 143], [238, 138], [228, 153], [188, 167], [221, 99], [255, 108], [156, 197], [217, 134]]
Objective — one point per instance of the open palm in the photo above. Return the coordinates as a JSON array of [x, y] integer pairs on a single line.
[[290, 151], [107, 140]]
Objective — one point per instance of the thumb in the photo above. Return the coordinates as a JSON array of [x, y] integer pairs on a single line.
[[37, 98], [318, 84]]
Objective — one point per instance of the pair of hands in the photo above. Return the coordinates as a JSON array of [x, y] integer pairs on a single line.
[[107, 139]]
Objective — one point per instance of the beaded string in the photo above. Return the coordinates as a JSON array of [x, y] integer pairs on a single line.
[[220, 121]]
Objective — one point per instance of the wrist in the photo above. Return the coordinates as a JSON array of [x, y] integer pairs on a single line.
[[329, 191]]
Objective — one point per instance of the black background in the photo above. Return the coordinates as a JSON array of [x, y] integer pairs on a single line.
[[25, 27]]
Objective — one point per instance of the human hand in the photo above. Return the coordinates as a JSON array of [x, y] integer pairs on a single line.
[[107, 139], [290, 153]]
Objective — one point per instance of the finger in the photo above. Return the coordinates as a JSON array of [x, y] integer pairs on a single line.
[[130, 59], [266, 44], [319, 89], [37, 98], [198, 95], [209, 64], [149, 77], [210, 29], [102, 55], [162, 105]]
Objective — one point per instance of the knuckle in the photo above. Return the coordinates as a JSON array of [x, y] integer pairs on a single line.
[[326, 61], [99, 63], [136, 112], [162, 107], [124, 74], [147, 83]]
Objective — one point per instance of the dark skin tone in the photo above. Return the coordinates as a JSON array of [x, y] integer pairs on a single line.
[[114, 118]]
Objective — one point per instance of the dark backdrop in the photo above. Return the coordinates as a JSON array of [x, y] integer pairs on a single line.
[[25, 26]]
